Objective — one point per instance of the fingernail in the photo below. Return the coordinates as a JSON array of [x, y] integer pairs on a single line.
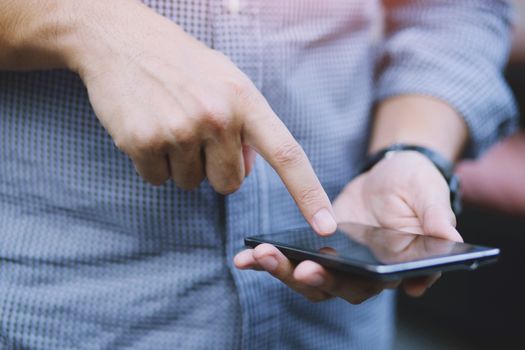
[[269, 263], [324, 222], [315, 280]]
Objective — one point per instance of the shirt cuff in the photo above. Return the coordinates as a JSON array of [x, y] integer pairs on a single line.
[[486, 104]]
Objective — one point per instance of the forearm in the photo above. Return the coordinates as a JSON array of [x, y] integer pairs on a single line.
[[419, 120], [46, 34], [454, 51], [36, 34]]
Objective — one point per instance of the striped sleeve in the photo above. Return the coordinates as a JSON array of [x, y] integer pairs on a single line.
[[454, 51]]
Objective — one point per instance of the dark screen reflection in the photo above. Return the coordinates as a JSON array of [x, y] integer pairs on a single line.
[[372, 245]]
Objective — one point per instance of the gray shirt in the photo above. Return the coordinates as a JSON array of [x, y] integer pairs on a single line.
[[91, 257]]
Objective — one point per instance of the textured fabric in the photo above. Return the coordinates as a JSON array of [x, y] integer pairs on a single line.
[[452, 50], [91, 257]]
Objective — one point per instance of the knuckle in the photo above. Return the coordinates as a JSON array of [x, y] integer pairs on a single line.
[[182, 135], [245, 95], [143, 141], [215, 117], [309, 196], [150, 143], [288, 154], [242, 89]]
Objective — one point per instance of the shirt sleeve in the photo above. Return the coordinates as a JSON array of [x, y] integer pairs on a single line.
[[453, 50]]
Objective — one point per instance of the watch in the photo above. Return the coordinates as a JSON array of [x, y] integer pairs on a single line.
[[445, 167]]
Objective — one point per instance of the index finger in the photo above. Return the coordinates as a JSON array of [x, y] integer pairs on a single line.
[[268, 135]]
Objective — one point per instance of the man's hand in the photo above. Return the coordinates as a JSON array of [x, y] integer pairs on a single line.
[[183, 111], [179, 109], [404, 192]]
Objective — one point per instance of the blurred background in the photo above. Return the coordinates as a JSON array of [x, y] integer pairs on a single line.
[[483, 309]]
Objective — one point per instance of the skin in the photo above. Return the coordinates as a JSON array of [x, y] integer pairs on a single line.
[[392, 246], [184, 112], [177, 108]]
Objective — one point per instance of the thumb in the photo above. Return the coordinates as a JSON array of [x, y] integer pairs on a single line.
[[438, 220]]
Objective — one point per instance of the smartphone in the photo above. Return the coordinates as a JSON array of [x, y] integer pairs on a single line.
[[376, 252]]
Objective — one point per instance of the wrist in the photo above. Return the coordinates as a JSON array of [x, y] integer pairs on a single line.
[[112, 34], [419, 120], [444, 166], [100, 27]]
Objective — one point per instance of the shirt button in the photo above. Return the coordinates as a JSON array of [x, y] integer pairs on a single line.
[[234, 6]]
